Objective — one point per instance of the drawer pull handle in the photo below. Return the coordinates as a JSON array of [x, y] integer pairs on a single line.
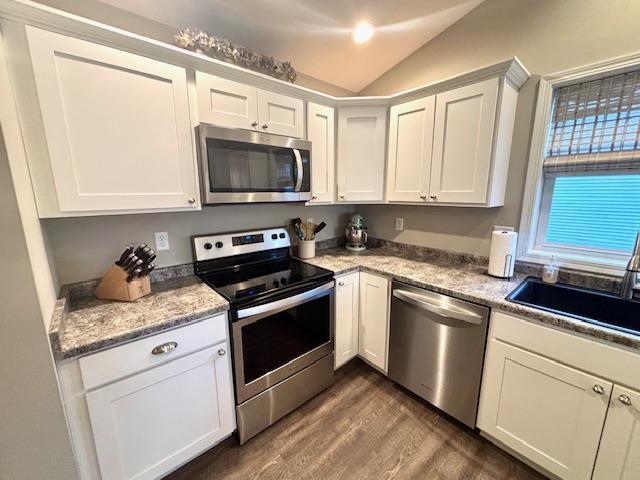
[[254, 124], [624, 399], [221, 352], [599, 389], [341, 284], [164, 348]]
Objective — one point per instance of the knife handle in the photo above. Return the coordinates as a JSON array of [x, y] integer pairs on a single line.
[[135, 273], [127, 251]]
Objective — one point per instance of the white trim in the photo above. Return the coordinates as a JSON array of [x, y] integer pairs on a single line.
[[529, 220]]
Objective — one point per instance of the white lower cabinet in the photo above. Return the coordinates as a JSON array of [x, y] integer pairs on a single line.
[[373, 342], [619, 453], [346, 318], [550, 413], [553, 398], [151, 412]]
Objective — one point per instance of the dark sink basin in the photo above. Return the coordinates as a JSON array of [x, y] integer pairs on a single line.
[[588, 305]]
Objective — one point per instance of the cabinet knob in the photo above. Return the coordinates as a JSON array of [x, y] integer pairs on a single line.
[[341, 196], [433, 197], [221, 352], [314, 197], [254, 124], [192, 200], [624, 399], [265, 126], [164, 348], [341, 284], [423, 197], [599, 389]]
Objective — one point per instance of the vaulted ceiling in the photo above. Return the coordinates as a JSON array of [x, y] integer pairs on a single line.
[[314, 34]]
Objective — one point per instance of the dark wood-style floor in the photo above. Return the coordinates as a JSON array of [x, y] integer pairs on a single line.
[[363, 427]]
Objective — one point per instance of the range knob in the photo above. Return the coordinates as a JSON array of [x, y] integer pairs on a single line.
[[208, 246], [276, 283], [219, 244]]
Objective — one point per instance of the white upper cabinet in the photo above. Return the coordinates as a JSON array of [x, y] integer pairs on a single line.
[[321, 134], [463, 143], [117, 128], [227, 103], [236, 105], [373, 344], [619, 453], [280, 114], [361, 153], [410, 145], [347, 318]]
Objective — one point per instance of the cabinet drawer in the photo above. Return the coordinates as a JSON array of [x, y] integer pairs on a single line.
[[109, 365]]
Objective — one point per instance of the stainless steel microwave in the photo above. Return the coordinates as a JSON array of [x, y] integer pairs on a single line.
[[239, 166]]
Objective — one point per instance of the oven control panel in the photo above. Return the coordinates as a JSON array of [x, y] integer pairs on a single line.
[[208, 247]]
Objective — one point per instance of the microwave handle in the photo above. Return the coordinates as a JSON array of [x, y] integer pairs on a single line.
[[299, 172]]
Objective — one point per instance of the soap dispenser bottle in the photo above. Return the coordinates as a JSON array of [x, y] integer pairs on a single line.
[[550, 271]]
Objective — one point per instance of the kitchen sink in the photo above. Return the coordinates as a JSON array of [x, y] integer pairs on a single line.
[[584, 304]]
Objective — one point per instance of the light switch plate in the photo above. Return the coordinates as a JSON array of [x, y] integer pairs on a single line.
[[162, 241], [399, 224]]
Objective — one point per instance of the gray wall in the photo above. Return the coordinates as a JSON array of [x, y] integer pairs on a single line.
[[34, 441], [548, 36], [83, 248]]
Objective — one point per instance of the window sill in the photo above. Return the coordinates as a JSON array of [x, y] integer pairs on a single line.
[[585, 263]]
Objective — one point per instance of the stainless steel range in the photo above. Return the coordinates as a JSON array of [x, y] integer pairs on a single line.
[[281, 321]]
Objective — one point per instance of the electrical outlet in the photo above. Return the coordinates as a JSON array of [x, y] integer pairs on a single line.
[[400, 224], [162, 241]]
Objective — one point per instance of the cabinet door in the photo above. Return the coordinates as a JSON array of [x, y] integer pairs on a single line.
[[410, 142], [619, 453], [117, 126], [548, 412], [361, 140], [226, 103], [150, 423], [280, 114], [463, 143], [321, 134], [346, 331], [374, 320]]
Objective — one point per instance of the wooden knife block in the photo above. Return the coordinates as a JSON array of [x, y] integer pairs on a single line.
[[114, 286]]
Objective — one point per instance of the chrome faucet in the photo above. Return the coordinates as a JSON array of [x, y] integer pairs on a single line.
[[631, 275]]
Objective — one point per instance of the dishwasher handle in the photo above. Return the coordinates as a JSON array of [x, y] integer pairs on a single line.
[[441, 310]]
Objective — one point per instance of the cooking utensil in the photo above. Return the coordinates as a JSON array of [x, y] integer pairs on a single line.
[[319, 228]]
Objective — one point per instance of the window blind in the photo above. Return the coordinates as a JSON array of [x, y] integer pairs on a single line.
[[595, 126], [596, 212]]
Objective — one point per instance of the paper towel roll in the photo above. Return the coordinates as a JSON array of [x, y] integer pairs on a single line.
[[502, 255]]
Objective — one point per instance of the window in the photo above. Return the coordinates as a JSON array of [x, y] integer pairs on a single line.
[[589, 206]]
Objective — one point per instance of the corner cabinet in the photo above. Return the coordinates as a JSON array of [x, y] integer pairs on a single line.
[[361, 153], [373, 342], [544, 397], [117, 129], [321, 134], [232, 104], [347, 315]]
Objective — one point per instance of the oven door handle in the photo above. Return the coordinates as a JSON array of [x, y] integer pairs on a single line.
[[285, 303], [299, 172]]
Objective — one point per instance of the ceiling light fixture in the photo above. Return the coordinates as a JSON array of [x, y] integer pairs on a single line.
[[362, 32]]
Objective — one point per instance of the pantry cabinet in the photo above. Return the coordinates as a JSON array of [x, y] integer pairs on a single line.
[[545, 398], [321, 134], [347, 315], [619, 453], [232, 104], [410, 146], [373, 342], [361, 153], [117, 132]]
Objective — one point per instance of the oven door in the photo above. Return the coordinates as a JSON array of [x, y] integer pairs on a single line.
[[273, 341], [243, 166]]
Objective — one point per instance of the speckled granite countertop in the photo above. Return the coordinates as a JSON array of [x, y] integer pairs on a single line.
[[84, 324], [460, 278]]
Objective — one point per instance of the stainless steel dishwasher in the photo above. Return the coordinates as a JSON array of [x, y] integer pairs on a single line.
[[436, 348]]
